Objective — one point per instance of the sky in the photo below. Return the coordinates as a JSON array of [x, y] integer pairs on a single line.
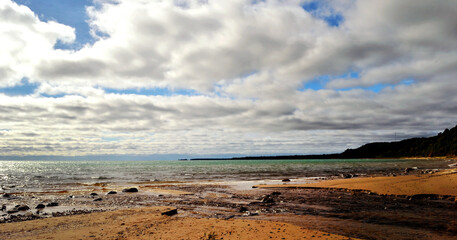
[[162, 79]]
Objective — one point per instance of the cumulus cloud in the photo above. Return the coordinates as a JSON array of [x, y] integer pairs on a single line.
[[26, 41], [247, 63]]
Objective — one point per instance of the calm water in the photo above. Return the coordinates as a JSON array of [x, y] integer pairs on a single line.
[[49, 175]]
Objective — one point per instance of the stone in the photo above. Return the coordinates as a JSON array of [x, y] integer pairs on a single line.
[[286, 180], [52, 204], [275, 193], [98, 200], [243, 209], [40, 206], [111, 192], [94, 194], [170, 212], [23, 208], [130, 190], [6, 195]]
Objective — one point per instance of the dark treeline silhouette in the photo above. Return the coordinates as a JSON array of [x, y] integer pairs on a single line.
[[442, 145]]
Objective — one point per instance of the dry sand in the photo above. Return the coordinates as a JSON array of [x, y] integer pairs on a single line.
[[439, 183], [148, 223]]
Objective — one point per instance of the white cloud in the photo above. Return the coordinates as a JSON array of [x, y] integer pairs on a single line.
[[245, 59], [26, 41]]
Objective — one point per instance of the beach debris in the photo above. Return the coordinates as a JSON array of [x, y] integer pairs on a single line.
[[52, 204], [453, 165], [40, 206], [111, 192], [286, 180], [98, 200], [170, 212], [247, 214], [130, 190], [6, 195], [93, 194]]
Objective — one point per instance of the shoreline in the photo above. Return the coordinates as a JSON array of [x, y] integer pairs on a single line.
[[343, 212]]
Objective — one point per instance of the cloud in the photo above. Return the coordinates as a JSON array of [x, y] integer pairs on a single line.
[[25, 41], [245, 62]]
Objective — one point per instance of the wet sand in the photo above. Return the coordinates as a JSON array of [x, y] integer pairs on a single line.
[[362, 208], [439, 183], [149, 223]]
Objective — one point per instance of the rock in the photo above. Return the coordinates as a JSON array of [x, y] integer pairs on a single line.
[[6, 195], [254, 187], [23, 208], [170, 212], [251, 214], [40, 206], [130, 190], [286, 180], [346, 175], [52, 204], [275, 193], [3, 207], [14, 210], [243, 209], [407, 170], [94, 194], [98, 200], [268, 199], [111, 192]]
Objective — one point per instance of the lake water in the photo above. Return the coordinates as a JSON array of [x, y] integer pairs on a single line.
[[29, 176]]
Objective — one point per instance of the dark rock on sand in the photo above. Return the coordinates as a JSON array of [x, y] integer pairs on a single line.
[[111, 192], [346, 175], [22, 208], [286, 180], [94, 194], [243, 209], [275, 193], [130, 190], [170, 212], [14, 210], [40, 206], [6, 195], [268, 199], [52, 204], [98, 200]]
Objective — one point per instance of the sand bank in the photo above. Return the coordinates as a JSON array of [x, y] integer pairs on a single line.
[[149, 223], [439, 183]]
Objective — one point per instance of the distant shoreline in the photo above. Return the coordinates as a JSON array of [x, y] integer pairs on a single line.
[[311, 157]]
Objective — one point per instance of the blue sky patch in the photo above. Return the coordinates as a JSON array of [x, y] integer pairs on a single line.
[[320, 82], [71, 13], [319, 9], [21, 89], [381, 86]]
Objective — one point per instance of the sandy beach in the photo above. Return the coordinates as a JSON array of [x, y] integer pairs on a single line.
[[149, 223], [439, 183], [417, 204]]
